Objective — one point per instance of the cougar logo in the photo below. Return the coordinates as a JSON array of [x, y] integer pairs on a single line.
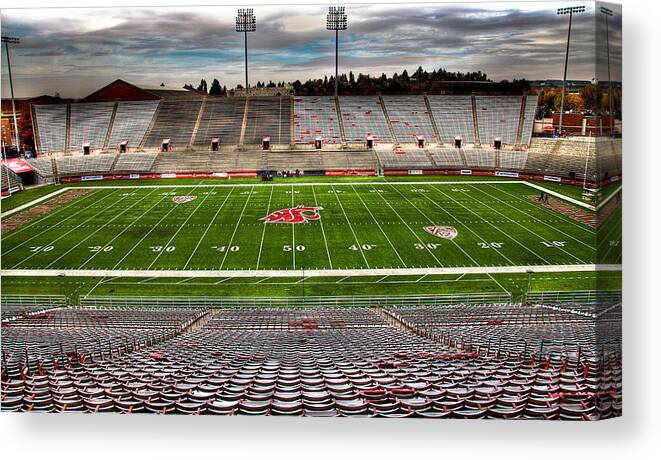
[[297, 215], [183, 198], [449, 233]]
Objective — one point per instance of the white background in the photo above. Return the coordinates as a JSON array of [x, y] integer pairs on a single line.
[[635, 435]]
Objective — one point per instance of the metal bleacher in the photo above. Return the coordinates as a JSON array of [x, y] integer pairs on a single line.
[[498, 116], [52, 126], [135, 162], [363, 116], [447, 157], [409, 117], [400, 158], [131, 122], [43, 166], [480, 158], [528, 119], [89, 125], [454, 117], [222, 118], [84, 164], [268, 116], [175, 120], [315, 116]]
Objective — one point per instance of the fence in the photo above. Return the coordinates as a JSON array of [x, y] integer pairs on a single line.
[[18, 300], [574, 296]]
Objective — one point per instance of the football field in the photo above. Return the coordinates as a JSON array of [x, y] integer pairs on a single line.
[[363, 226]]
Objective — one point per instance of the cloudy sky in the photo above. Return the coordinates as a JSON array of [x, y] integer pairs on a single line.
[[76, 51]]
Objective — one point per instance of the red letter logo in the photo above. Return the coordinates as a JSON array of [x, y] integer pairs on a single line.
[[297, 215]]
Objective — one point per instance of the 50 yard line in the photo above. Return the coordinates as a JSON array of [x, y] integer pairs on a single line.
[[236, 227]]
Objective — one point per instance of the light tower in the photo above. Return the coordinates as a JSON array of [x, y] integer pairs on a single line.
[[570, 11], [246, 22], [13, 41], [609, 13], [336, 20]]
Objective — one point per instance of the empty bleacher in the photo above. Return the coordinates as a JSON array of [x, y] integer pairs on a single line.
[[528, 119], [447, 157], [52, 127], [454, 117], [175, 120], [409, 117], [563, 157], [222, 117], [363, 116], [223, 161], [42, 165], [135, 162], [404, 158], [315, 116], [512, 159], [131, 122], [498, 116], [9, 179], [480, 158], [89, 124], [268, 116], [76, 165]]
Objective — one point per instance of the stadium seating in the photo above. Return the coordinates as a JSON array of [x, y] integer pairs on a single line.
[[512, 159], [313, 117], [447, 157], [222, 117], [77, 165], [409, 117], [223, 161], [134, 162], [52, 127], [454, 117], [440, 362], [563, 157], [131, 122], [528, 119], [268, 116], [363, 116], [89, 124], [498, 116], [175, 120], [403, 158], [480, 158], [42, 165], [9, 179]]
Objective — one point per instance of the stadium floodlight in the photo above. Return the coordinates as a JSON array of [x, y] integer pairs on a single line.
[[13, 41], [336, 20], [570, 11], [609, 13], [246, 22]]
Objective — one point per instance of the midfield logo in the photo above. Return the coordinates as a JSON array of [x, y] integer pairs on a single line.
[[183, 199], [443, 232], [297, 215]]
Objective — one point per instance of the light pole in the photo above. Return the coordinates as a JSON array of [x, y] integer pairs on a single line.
[[13, 41], [336, 20], [570, 11], [609, 13], [246, 22]]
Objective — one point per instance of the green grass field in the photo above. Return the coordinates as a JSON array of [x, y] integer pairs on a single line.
[[126, 238], [362, 226]]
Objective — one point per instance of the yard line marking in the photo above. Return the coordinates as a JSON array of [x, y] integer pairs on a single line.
[[314, 273], [199, 241], [466, 226], [178, 230], [25, 227], [94, 287], [67, 233], [293, 237], [499, 285], [544, 223], [605, 201], [153, 227], [236, 227], [337, 197], [379, 225], [222, 280], [408, 226], [99, 229], [261, 242], [525, 227], [341, 279], [323, 232], [126, 228]]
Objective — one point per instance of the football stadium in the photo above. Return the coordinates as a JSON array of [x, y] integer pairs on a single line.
[[434, 254]]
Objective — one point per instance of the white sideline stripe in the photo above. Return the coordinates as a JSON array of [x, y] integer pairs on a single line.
[[33, 202], [608, 198], [312, 273], [561, 196]]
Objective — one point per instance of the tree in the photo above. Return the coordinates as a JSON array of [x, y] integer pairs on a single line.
[[25, 131], [215, 89], [202, 86], [591, 95]]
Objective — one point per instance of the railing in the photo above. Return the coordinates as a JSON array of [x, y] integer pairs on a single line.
[[574, 296], [19, 300], [283, 302]]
